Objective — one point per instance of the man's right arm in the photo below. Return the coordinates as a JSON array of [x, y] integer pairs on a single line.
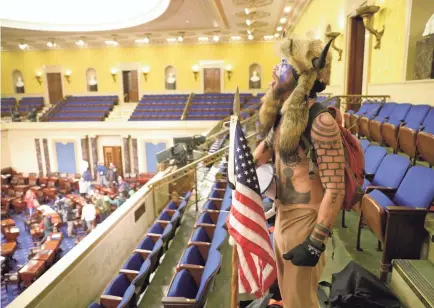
[[264, 151]]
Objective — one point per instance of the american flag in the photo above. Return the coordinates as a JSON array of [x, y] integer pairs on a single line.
[[246, 222]]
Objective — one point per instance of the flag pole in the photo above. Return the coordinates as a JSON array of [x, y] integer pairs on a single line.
[[231, 180]]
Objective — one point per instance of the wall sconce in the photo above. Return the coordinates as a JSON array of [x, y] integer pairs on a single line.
[[367, 12], [113, 72], [229, 71], [145, 70], [333, 35], [68, 75], [195, 68], [38, 77]]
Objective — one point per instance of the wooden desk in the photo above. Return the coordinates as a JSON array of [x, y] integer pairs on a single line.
[[7, 223], [45, 255], [31, 271], [19, 205], [12, 233], [55, 236], [55, 218], [51, 245], [8, 249]]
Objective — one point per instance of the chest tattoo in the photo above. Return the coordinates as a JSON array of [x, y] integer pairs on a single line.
[[287, 192]]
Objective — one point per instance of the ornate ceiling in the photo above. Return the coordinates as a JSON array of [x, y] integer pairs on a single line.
[[157, 22]]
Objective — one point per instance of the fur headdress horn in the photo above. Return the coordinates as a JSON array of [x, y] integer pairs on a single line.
[[312, 62]]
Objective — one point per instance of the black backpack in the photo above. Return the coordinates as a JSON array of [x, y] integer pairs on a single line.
[[356, 287]]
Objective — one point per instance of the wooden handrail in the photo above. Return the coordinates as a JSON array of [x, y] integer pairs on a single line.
[[187, 106], [183, 171]]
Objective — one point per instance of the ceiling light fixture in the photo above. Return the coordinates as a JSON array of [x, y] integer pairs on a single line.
[[268, 37], [279, 28], [171, 39], [287, 9], [282, 20], [249, 31], [79, 43], [111, 43], [180, 39], [23, 46], [276, 35], [142, 41], [236, 38], [248, 22], [250, 37], [216, 38], [203, 38], [246, 10], [51, 44]]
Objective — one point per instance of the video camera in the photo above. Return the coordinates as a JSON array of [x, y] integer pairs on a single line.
[[183, 151]]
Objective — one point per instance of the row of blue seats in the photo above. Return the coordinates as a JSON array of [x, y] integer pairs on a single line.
[[154, 119], [160, 107], [201, 261], [99, 102], [211, 106], [133, 278], [77, 108], [102, 97], [208, 112], [156, 113], [89, 115], [405, 127], [163, 101], [393, 187]]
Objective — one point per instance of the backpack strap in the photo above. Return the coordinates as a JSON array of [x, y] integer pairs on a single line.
[[315, 110]]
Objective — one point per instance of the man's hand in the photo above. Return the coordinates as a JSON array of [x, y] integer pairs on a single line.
[[305, 254]]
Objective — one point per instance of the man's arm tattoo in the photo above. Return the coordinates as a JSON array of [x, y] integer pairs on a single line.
[[330, 153], [320, 233]]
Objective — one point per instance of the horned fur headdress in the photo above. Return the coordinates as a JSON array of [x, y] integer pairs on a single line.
[[312, 63]]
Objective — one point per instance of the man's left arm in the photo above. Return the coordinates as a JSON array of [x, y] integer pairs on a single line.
[[326, 138]]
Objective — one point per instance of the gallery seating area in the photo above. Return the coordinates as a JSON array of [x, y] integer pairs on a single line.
[[134, 276], [160, 107], [25, 105], [210, 106], [401, 126], [201, 261], [81, 108]]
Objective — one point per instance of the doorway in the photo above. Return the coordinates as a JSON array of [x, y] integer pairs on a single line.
[[211, 80], [113, 155], [357, 51], [55, 92], [130, 86]]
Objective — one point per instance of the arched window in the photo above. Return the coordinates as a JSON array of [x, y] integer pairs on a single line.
[[91, 81], [170, 77], [18, 80], [255, 75]]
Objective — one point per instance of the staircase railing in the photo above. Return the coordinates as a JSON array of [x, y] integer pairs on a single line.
[[187, 106]]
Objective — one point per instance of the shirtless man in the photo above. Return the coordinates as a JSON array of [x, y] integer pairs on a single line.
[[307, 206]]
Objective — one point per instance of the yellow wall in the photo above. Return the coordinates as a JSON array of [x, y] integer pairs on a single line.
[[387, 63], [240, 56], [317, 16], [421, 11]]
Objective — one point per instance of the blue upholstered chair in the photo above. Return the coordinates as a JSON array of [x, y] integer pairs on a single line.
[[197, 255], [373, 158], [173, 217], [395, 118], [120, 293], [425, 139], [397, 217], [391, 128], [190, 286], [162, 231], [365, 144], [388, 175], [405, 139], [137, 269], [152, 249]]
